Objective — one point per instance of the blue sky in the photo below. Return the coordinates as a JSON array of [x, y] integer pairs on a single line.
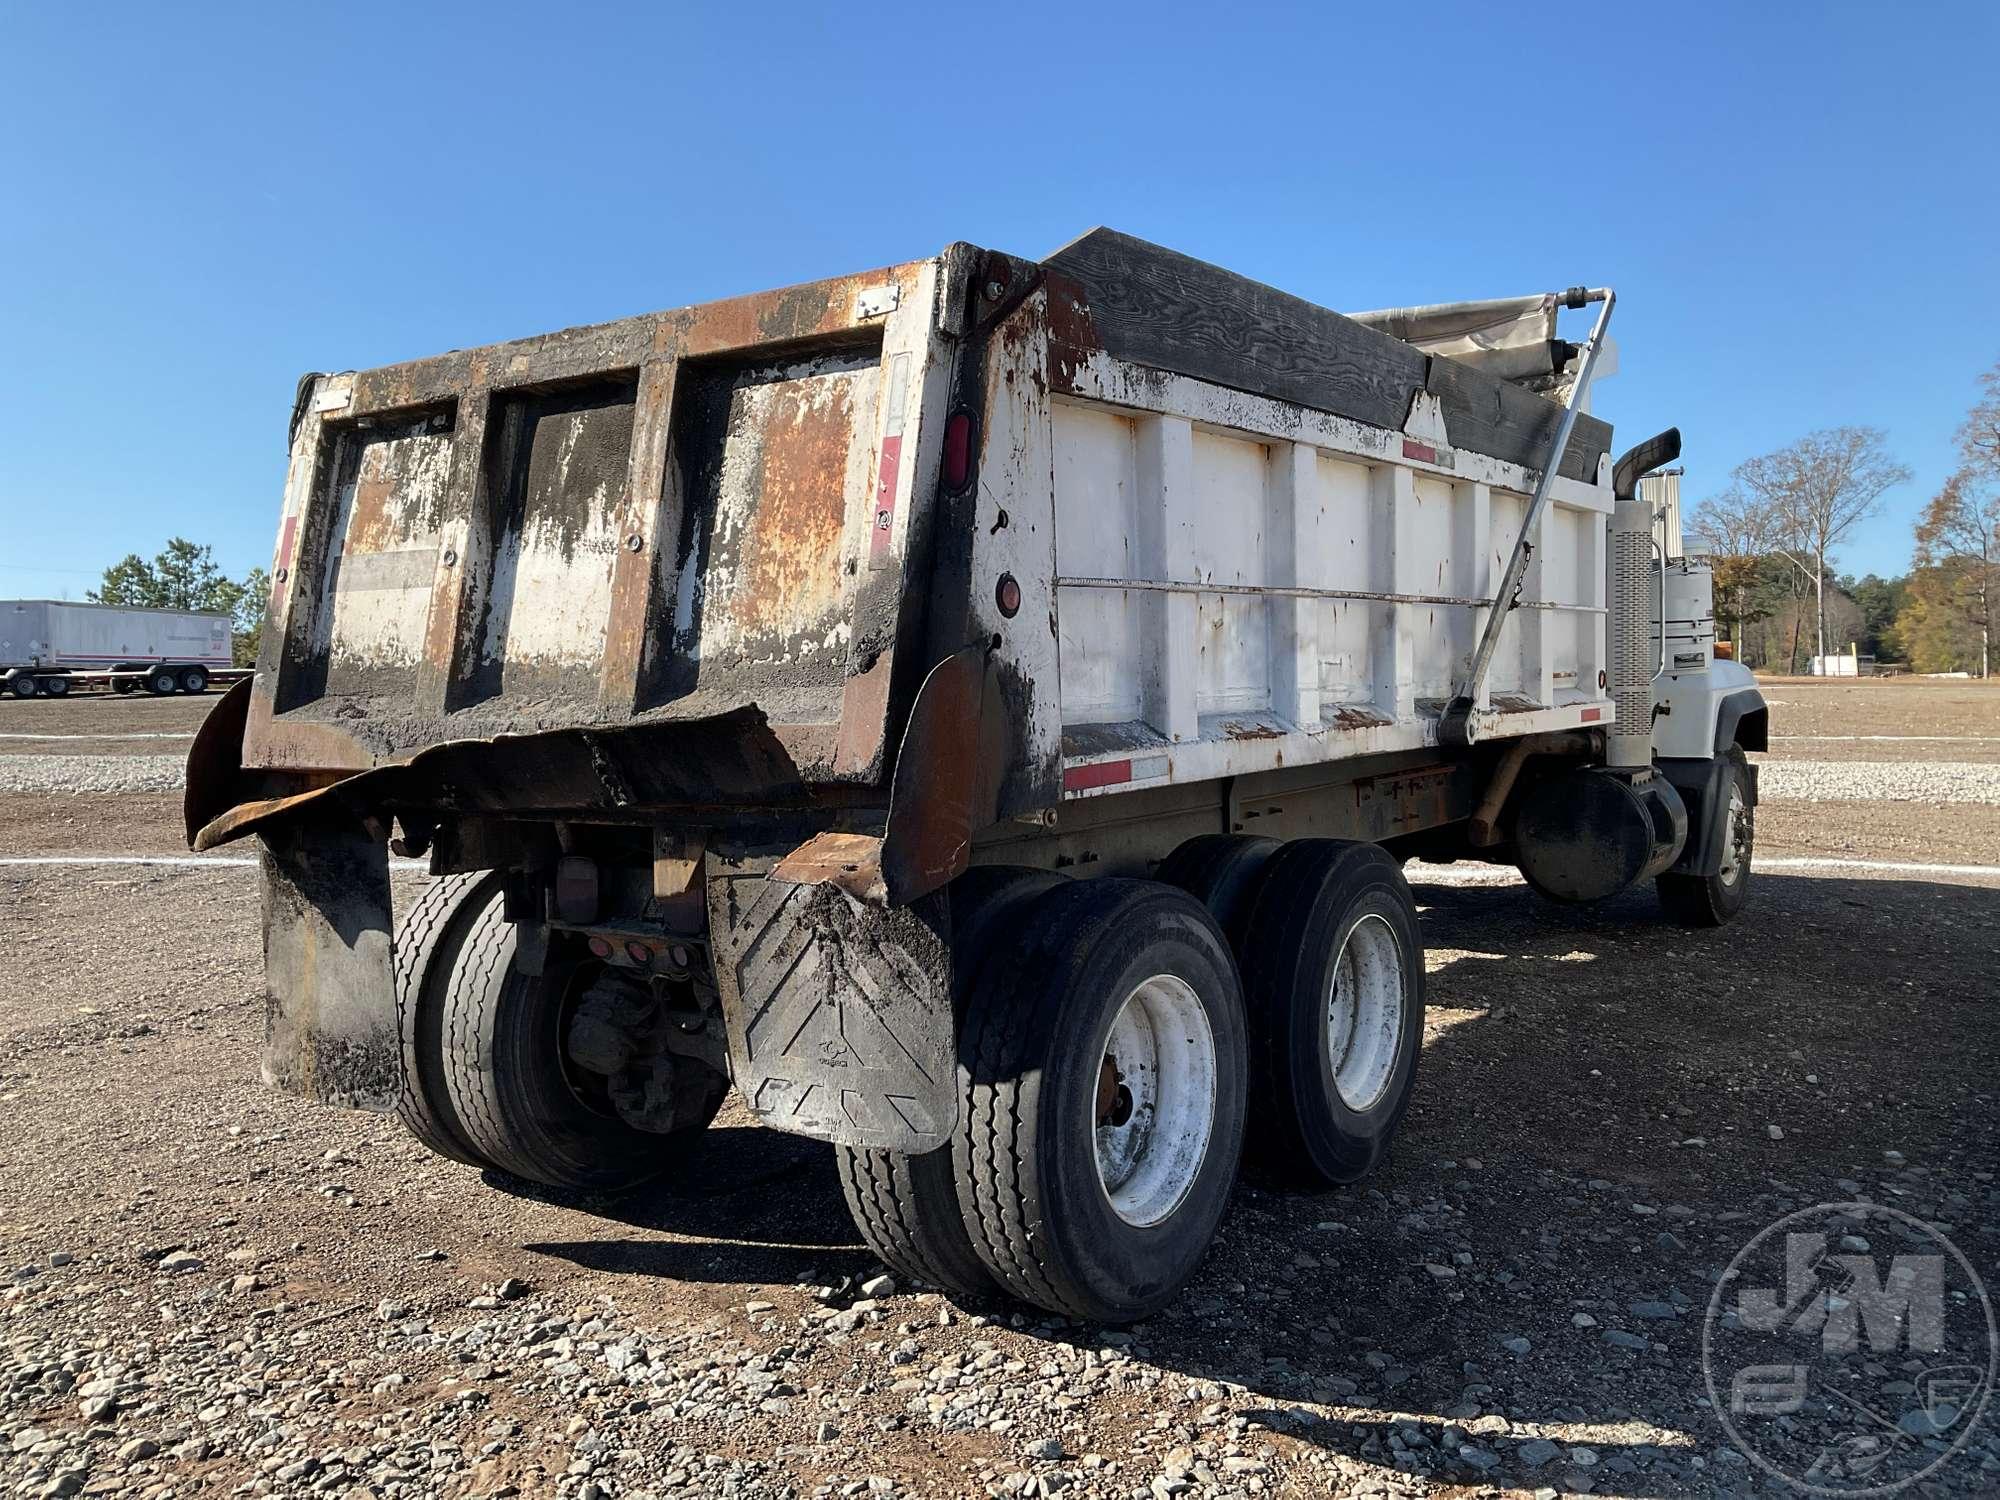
[[197, 203]]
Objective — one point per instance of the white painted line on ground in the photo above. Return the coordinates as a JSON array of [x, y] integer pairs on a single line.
[[1885, 866], [148, 735], [197, 861], [1470, 874], [1925, 739]]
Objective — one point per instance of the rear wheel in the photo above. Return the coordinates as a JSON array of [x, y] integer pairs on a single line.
[[1102, 1119], [56, 687], [518, 1093], [194, 680], [906, 1206], [1333, 974], [162, 682], [1219, 870], [1711, 900], [429, 940]]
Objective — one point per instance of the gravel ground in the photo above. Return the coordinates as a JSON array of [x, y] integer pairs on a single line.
[[1932, 781], [207, 1287], [89, 775], [212, 1286]]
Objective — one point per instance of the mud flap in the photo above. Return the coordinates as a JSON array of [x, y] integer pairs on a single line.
[[838, 1011], [330, 996]]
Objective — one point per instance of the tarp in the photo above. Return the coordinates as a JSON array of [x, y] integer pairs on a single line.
[[1512, 338]]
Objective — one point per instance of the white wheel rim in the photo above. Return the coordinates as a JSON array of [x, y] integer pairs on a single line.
[[1154, 1107], [1364, 1013], [1736, 834]]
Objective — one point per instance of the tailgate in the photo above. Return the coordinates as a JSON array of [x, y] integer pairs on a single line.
[[664, 518]]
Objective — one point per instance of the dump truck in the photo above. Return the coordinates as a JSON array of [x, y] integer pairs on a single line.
[[979, 710], [50, 646]]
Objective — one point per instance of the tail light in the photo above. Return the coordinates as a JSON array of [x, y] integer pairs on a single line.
[[957, 451]]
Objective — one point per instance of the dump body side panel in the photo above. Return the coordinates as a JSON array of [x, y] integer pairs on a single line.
[[1244, 583]]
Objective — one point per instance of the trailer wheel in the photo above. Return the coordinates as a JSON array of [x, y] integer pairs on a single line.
[[519, 1102], [1711, 900], [194, 680], [56, 687], [1333, 974], [429, 941], [1218, 870], [906, 1206], [124, 685], [162, 682], [1102, 1122], [21, 685]]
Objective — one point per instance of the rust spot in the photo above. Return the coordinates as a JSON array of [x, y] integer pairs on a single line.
[[864, 699], [1349, 717], [788, 571], [1072, 332], [851, 861], [1251, 731], [371, 524]]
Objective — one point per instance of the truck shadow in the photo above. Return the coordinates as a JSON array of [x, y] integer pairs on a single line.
[[1592, 1134]]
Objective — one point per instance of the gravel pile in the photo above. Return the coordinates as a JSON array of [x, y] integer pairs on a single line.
[[91, 773], [1932, 781]]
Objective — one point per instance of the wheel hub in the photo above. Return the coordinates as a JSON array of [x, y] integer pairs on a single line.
[[1154, 1103], [1364, 1021], [1737, 832]]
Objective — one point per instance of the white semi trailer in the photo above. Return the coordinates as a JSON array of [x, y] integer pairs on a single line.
[[980, 710], [50, 646]]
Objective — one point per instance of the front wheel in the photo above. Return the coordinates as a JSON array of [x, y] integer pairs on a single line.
[[1711, 900], [1105, 1071], [162, 682], [21, 686]]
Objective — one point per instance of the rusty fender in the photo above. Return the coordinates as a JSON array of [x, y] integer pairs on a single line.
[[946, 788]]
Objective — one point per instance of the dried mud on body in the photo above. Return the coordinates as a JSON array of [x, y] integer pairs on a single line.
[[209, 1285]]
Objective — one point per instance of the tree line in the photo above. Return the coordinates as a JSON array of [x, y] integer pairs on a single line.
[[184, 575], [1773, 529]]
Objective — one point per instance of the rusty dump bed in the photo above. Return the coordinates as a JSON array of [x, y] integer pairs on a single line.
[[708, 557], [667, 517]]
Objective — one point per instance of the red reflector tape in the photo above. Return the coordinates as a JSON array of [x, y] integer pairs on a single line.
[[1104, 773], [885, 497], [1590, 714], [1423, 453]]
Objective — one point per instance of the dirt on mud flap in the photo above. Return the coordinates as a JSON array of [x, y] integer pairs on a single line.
[[330, 1018], [838, 1010]]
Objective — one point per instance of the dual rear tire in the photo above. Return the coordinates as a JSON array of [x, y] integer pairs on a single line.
[[487, 1080], [1122, 1040]]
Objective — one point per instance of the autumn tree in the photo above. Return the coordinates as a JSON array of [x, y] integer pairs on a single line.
[[1961, 525], [1814, 492]]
